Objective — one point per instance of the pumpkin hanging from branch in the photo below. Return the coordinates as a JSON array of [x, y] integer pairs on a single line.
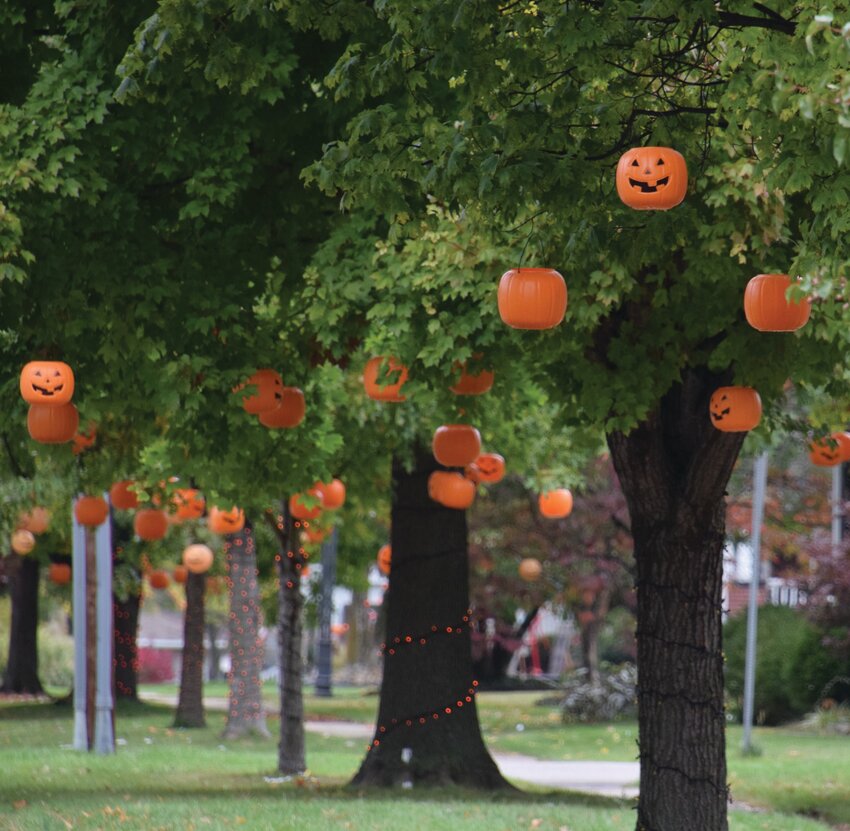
[[49, 383], [91, 510], [532, 298], [451, 490], [456, 445], [59, 573], [556, 503], [189, 503], [384, 559], [767, 307], [333, 494], [150, 524], [652, 178], [158, 579], [830, 452], [488, 467], [383, 379], [267, 394], [735, 409], [530, 569], [52, 424], [122, 495], [472, 383], [230, 521], [300, 511], [289, 414], [198, 558], [22, 541], [36, 520]]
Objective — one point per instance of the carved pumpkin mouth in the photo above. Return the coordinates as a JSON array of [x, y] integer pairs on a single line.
[[47, 392], [646, 187], [719, 416]]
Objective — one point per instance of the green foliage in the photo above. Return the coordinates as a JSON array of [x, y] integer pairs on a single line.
[[792, 665]]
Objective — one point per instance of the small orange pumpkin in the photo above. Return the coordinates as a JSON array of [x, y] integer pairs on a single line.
[[735, 409], [456, 445], [289, 414], [158, 579], [333, 494], [197, 557], [556, 504], [150, 524], [768, 308], [532, 298], [299, 510], [313, 535], [50, 383], [392, 379], [488, 467], [22, 541], [226, 522], [385, 557], [122, 496], [476, 384], [180, 574], [828, 453], [652, 178], [91, 510], [35, 521], [59, 573], [268, 392], [530, 569], [83, 441], [451, 490], [189, 503], [52, 424]]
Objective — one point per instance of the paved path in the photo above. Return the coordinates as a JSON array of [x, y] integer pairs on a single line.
[[606, 778]]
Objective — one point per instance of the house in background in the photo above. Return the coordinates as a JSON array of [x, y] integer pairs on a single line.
[[737, 573]]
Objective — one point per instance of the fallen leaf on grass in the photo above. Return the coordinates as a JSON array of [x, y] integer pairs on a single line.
[[21, 803]]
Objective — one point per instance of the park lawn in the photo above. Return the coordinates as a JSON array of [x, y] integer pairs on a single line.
[[188, 779]]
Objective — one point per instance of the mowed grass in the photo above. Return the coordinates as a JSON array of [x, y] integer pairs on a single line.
[[189, 779]]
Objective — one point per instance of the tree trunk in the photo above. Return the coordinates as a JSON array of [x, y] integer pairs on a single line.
[[215, 654], [590, 650], [21, 674], [291, 757], [428, 731], [190, 706], [245, 711], [125, 650], [674, 468]]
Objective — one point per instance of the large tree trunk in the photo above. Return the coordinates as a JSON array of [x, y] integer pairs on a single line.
[[190, 705], [674, 468], [21, 674], [291, 757], [245, 711], [428, 731], [125, 650]]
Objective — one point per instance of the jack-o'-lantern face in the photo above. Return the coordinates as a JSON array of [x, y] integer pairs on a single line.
[[226, 522], [47, 382], [652, 178], [488, 467], [735, 409], [197, 558], [830, 451], [385, 557], [266, 392], [188, 503]]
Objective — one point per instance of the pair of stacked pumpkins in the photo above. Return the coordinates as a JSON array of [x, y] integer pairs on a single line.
[[149, 524], [459, 445], [383, 378], [275, 405], [30, 524], [48, 387], [328, 496]]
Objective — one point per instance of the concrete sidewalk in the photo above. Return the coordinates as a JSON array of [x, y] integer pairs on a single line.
[[604, 778]]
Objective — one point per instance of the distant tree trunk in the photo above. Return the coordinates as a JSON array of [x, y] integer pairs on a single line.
[[590, 649], [190, 705], [21, 675], [126, 651], [245, 711], [215, 653], [674, 468], [291, 754], [428, 730]]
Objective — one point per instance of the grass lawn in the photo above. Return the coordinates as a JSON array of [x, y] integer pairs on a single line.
[[189, 779]]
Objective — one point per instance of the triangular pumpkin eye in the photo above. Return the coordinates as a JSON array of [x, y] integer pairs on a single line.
[[660, 161], [635, 163]]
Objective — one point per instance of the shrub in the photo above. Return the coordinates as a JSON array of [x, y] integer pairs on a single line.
[[155, 666], [612, 696], [792, 665], [55, 657]]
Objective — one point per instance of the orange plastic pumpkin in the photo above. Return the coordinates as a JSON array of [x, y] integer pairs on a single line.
[[456, 445], [652, 178], [289, 414], [226, 522], [180, 574], [50, 383], [150, 524], [451, 490], [268, 392], [23, 541], [198, 558], [556, 504], [313, 535], [530, 569], [476, 384], [299, 510], [767, 307], [488, 467], [122, 496], [735, 409], [83, 441], [384, 384], [158, 579], [189, 503], [52, 424], [59, 573], [385, 557], [36, 521], [333, 494], [824, 453], [91, 510], [532, 298]]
